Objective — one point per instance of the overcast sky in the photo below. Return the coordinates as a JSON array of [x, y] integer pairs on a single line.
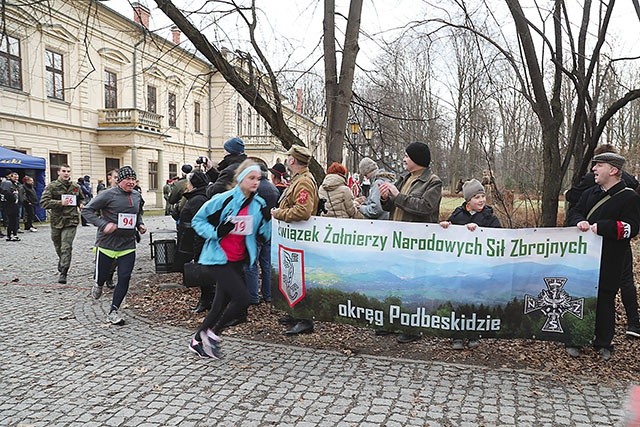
[[296, 26]]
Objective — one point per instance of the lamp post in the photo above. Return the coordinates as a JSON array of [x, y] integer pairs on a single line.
[[355, 130], [368, 136], [368, 133]]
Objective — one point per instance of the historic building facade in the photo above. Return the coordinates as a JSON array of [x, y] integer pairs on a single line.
[[84, 85]]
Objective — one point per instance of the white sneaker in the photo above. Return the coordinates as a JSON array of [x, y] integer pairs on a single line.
[[33, 229], [115, 319]]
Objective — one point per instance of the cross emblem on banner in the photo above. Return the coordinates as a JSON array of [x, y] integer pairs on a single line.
[[554, 302]]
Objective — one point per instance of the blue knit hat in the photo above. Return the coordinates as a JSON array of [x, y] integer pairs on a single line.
[[234, 145]]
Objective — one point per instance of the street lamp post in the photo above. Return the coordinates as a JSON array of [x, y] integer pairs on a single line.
[[355, 130]]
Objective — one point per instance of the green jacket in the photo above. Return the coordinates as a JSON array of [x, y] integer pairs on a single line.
[[62, 216]]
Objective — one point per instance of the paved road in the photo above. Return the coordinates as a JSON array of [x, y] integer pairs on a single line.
[[62, 365]]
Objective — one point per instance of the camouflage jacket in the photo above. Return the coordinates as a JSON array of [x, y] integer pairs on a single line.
[[62, 216]]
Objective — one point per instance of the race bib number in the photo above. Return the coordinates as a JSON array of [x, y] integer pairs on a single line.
[[126, 221], [243, 225], [68, 199]]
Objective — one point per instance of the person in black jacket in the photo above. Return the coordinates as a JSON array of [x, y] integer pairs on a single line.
[[191, 244], [29, 203], [227, 167], [473, 213], [628, 290], [11, 205], [611, 210], [270, 194]]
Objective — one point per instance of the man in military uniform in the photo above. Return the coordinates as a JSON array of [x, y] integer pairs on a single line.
[[298, 203], [300, 199], [64, 199]]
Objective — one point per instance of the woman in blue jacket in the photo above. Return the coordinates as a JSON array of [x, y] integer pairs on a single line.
[[230, 223]]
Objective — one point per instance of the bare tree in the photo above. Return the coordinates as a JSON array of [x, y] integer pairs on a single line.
[[549, 55], [338, 87], [245, 84]]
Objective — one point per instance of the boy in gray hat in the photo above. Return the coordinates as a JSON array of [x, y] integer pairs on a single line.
[[473, 212]]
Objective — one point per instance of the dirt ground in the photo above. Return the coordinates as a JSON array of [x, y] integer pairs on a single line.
[[162, 299]]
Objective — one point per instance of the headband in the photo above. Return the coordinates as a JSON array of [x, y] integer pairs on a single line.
[[242, 175]]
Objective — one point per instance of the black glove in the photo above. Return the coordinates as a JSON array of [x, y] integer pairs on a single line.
[[266, 213], [225, 228]]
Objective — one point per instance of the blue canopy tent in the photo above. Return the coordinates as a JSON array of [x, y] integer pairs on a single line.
[[24, 164]]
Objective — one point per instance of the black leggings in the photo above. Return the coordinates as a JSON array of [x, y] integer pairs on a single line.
[[232, 298], [104, 271]]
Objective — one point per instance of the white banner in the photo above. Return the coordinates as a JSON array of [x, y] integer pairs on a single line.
[[422, 278]]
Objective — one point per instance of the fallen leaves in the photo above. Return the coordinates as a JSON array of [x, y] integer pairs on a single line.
[[154, 299]]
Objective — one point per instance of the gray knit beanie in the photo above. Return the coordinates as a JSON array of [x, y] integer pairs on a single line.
[[471, 188], [367, 166]]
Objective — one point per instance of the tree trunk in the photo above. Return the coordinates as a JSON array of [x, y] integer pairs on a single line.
[[339, 90]]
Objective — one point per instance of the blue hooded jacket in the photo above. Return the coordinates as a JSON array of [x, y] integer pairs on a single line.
[[219, 208]]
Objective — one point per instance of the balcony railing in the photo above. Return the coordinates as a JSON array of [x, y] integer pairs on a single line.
[[129, 118], [258, 141]]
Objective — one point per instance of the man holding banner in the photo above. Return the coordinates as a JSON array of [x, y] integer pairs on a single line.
[[416, 195], [298, 203], [611, 210]]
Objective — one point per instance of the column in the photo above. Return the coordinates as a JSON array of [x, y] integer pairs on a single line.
[[161, 179]]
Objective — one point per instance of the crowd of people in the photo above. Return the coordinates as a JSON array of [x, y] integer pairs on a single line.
[[223, 221], [18, 200]]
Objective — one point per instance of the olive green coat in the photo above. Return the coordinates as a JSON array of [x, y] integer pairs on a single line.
[[62, 216]]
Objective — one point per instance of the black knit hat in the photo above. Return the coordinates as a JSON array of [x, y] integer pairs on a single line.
[[126, 172], [419, 153], [198, 179]]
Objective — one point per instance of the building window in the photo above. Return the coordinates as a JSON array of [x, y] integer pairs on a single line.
[[153, 175], [239, 114], [10, 62], [173, 170], [249, 129], [172, 109], [55, 161], [54, 75], [196, 116], [151, 99], [110, 90]]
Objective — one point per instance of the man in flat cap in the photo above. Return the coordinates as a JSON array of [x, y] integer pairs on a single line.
[[300, 200], [611, 210], [298, 203], [415, 196], [628, 290]]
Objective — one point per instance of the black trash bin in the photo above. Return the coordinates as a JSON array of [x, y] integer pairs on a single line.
[[163, 252]]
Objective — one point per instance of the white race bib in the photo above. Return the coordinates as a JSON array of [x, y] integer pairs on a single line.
[[243, 225], [69, 198], [127, 221]]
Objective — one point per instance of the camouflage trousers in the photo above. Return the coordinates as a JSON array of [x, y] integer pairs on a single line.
[[63, 242]]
